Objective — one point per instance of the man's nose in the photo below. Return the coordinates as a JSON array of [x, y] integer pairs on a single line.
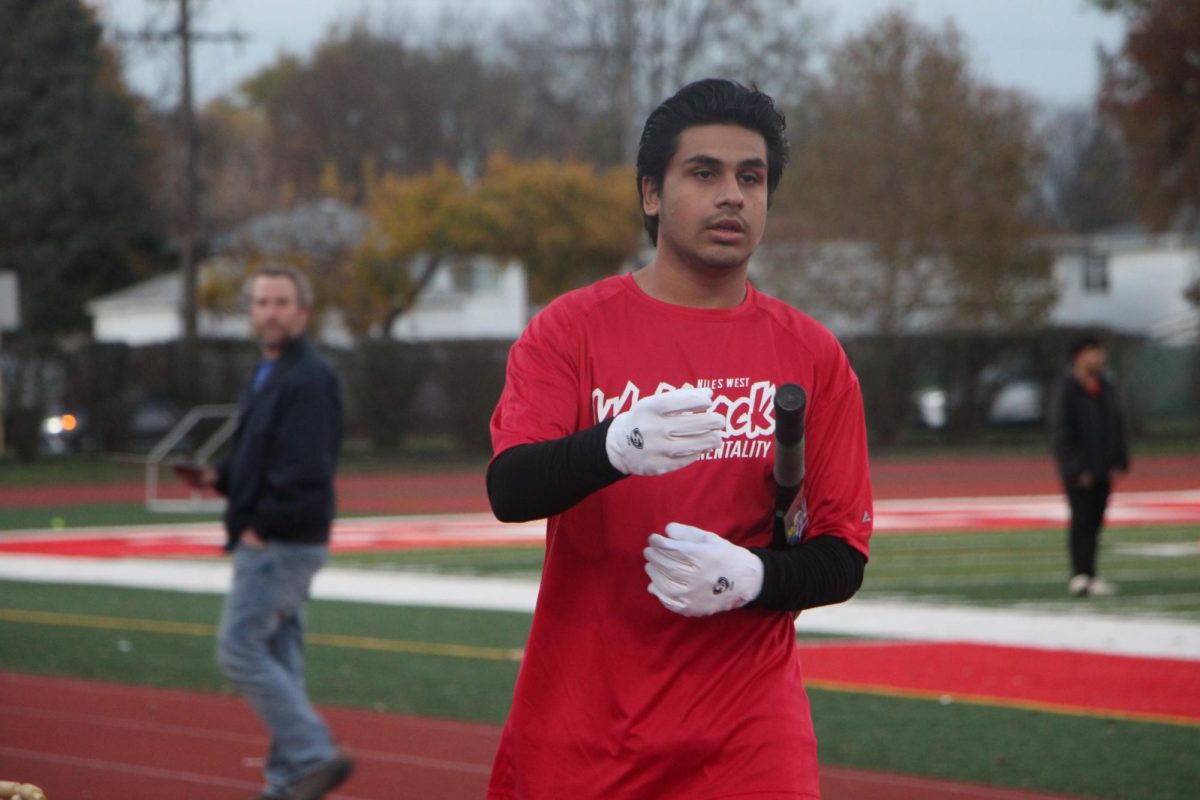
[[730, 194]]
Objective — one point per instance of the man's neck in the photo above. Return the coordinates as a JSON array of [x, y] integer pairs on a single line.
[[273, 352], [694, 288]]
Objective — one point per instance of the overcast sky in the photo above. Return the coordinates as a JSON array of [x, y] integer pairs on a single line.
[[1045, 48]]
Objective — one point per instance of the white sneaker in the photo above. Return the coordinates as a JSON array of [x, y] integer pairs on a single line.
[[1078, 586], [1101, 588]]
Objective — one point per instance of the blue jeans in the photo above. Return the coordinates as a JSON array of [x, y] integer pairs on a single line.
[[260, 648]]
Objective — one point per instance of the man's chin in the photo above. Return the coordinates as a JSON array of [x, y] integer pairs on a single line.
[[273, 341], [724, 261]]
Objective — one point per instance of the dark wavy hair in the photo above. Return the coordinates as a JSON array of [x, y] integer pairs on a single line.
[[713, 101], [1085, 342]]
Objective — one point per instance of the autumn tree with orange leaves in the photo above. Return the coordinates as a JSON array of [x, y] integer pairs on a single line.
[[564, 222]]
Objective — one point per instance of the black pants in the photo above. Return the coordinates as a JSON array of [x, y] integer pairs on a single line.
[[1087, 517]]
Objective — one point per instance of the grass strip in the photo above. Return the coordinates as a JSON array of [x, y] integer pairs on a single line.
[[87, 515], [464, 651], [1017, 748], [128, 624], [172, 647]]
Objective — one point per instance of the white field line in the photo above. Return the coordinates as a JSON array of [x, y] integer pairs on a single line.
[[1059, 630]]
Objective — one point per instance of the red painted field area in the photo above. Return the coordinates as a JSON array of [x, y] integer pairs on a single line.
[[1165, 690]]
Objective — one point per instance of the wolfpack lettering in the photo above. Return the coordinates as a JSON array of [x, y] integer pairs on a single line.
[[749, 416], [609, 407]]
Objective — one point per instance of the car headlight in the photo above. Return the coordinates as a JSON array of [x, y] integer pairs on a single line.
[[60, 424]]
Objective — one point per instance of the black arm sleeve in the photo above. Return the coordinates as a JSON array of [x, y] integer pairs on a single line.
[[818, 572], [540, 479]]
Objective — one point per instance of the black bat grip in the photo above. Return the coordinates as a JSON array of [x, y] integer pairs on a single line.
[[789, 435], [790, 401]]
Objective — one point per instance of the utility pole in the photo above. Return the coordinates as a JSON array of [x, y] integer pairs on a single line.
[[191, 184], [191, 143]]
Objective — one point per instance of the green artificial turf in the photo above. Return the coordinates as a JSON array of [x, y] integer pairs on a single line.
[[1156, 569], [344, 666], [68, 517], [1034, 750], [359, 655]]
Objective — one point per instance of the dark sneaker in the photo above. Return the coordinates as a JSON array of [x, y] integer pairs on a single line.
[[328, 775]]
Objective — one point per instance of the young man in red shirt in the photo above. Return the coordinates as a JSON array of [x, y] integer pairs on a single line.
[[637, 416]]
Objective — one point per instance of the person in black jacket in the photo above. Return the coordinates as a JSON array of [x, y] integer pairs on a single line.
[[1087, 433], [279, 485]]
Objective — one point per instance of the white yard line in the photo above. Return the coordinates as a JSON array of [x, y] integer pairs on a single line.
[[1059, 630], [1053, 630]]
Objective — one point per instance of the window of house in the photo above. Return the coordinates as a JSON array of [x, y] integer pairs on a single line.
[[1095, 273]]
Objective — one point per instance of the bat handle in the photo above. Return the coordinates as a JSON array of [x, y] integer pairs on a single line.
[[784, 495]]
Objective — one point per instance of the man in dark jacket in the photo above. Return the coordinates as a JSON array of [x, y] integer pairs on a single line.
[[279, 485], [1087, 433]]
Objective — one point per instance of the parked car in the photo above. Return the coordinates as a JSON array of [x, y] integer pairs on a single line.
[[1017, 402], [66, 430], [152, 419]]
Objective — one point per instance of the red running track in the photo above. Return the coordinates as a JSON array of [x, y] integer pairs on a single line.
[[463, 491], [80, 739]]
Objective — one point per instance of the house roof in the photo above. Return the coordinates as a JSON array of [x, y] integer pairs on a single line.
[[165, 289], [322, 228]]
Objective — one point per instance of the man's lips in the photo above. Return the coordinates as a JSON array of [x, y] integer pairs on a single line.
[[731, 224], [727, 230]]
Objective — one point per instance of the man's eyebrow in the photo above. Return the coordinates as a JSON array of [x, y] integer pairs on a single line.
[[713, 161]]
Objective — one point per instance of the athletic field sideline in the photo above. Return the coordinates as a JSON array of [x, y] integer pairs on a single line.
[[961, 660]]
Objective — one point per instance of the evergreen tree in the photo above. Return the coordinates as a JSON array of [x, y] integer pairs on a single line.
[[73, 211]]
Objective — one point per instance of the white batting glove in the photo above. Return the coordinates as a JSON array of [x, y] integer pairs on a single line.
[[664, 432], [696, 573]]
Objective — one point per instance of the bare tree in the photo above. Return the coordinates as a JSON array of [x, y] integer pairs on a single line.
[[912, 179], [366, 103], [615, 59], [1151, 89], [1086, 176]]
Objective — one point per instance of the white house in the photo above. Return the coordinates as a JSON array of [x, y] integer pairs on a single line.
[[1132, 282], [149, 312], [491, 304], [480, 298]]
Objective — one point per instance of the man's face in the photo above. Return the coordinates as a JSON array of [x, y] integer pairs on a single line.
[[275, 311], [1091, 360], [712, 206]]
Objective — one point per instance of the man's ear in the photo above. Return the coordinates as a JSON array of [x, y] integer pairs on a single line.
[[650, 197]]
